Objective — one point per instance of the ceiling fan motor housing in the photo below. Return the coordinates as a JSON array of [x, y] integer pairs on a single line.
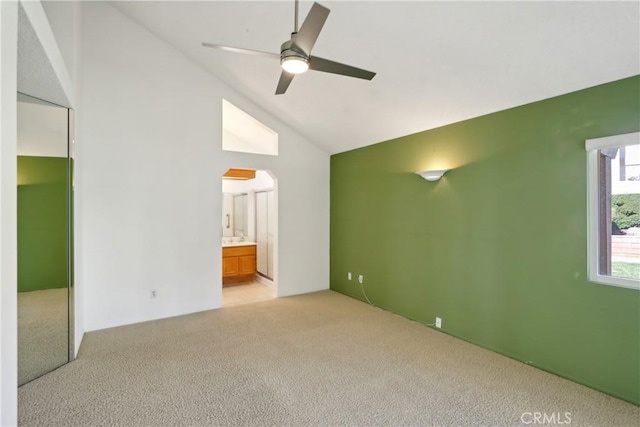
[[288, 49]]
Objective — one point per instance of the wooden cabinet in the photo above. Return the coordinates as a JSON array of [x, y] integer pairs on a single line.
[[247, 264], [229, 266], [238, 264]]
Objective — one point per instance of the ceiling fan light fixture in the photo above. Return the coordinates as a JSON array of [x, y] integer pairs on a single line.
[[294, 64], [295, 53]]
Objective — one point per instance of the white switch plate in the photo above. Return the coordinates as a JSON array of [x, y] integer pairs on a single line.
[[438, 322], [349, 276]]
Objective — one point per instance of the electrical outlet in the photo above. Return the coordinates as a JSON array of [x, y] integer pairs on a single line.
[[438, 322], [361, 278], [349, 276], [154, 294]]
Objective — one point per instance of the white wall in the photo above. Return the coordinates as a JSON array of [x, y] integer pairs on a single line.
[[63, 18], [149, 180]]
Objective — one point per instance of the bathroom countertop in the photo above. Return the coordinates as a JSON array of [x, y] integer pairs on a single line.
[[233, 244]]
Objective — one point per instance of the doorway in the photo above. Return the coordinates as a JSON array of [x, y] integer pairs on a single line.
[[249, 236]]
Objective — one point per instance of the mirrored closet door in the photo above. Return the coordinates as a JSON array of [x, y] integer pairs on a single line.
[[45, 224]]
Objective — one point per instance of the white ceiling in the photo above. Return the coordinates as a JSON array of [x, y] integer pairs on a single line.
[[437, 62], [36, 76]]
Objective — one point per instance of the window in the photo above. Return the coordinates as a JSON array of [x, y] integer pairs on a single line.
[[614, 210], [244, 134]]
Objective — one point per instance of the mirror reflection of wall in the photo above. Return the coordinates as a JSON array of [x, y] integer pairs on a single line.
[[44, 202], [234, 215], [240, 215]]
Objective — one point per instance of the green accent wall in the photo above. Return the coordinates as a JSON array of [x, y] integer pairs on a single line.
[[498, 247], [42, 223]]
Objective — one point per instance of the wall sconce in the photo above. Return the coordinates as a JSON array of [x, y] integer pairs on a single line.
[[432, 175]]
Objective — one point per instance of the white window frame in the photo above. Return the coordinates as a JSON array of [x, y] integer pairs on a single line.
[[593, 146]]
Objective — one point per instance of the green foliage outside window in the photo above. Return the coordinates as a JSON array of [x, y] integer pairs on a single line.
[[625, 210]]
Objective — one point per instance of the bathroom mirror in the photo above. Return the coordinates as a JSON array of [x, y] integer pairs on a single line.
[[45, 223], [234, 215]]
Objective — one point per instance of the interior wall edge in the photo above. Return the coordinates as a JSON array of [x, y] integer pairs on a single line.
[[8, 219]]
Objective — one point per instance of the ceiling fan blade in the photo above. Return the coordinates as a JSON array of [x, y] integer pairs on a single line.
[[241, 50], [311, 27], [327, 66], [284, 82]]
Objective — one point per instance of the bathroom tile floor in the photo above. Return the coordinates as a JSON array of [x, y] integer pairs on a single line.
[[246, 294]]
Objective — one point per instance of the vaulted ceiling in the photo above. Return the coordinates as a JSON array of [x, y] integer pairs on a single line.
[[437, 62]]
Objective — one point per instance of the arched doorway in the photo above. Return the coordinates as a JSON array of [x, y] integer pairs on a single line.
[[249, 236]]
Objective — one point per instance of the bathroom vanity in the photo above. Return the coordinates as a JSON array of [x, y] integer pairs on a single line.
[[238, 262]]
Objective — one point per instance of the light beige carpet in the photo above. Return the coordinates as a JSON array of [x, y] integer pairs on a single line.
[[42, 332], [316, 359]]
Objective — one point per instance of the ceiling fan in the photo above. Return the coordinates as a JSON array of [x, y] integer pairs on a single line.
[[295, 54]]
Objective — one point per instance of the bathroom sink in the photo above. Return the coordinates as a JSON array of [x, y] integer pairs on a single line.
[[231, 244]]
